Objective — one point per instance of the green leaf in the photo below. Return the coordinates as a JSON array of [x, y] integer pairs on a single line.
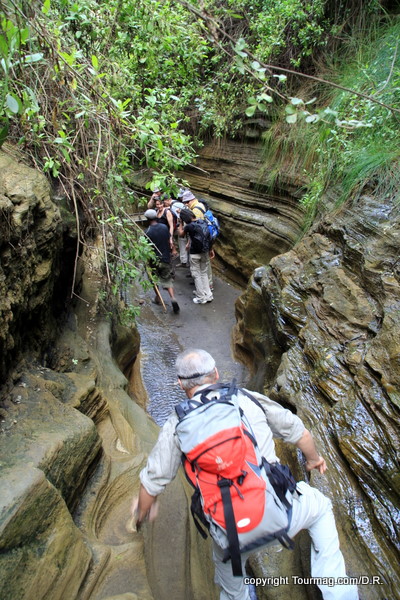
[[265, 97], [281, 78], [46, 7], [3, 46], [66, 155], [251, 110], [95, 62], [24, 35], [296, 101], [12, 104], [291, 118], [31, 58]]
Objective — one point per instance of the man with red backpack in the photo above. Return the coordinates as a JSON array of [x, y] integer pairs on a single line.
[[243, 495]]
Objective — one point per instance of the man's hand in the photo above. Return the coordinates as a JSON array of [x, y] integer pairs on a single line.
[[313, 459], [144, 507], [319, 464]]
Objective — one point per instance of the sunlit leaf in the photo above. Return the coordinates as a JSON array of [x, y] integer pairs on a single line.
[[12, 104], [266, 98], [291, 118], [31, 58], [251, 110], [46, 7]]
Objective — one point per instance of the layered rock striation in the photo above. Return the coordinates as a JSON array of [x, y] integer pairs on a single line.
[[257, 223], [319, 327]]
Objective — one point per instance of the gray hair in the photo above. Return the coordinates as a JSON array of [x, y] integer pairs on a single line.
[[194, 367]]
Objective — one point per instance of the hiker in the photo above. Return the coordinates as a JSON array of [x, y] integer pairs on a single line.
[[175, 206], [164, 215], [156, 195], [199, 209], [200, 252], [190, 201], [159, 235], [198, 376]]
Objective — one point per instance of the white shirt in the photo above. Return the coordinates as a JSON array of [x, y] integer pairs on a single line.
[[165, 458]]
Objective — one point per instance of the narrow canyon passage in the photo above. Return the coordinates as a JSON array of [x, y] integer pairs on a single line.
[[165, 334]]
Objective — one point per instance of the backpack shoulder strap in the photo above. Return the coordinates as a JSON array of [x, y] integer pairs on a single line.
[[252, 398], [185, 407]]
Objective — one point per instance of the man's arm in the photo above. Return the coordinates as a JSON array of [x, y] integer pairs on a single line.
[[313, 459]]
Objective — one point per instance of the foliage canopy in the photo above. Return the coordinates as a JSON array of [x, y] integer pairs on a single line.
[[97, 90]]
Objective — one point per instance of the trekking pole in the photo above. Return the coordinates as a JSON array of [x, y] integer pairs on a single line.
[[157, 291]]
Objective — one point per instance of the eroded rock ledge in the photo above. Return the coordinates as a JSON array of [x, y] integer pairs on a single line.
[[320, 329], [257, 223]]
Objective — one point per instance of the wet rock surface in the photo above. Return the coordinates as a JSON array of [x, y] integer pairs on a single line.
[[327, 345]]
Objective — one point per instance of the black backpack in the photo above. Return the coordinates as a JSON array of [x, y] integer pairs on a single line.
[[202, 236]]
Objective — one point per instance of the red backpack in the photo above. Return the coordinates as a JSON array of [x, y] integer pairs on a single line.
[[244, 501]]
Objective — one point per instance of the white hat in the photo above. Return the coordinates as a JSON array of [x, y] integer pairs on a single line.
[[176, 207], [188, 196], [150, 214]]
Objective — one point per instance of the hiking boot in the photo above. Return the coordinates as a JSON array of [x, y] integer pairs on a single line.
[[199, 301], [175, 306]]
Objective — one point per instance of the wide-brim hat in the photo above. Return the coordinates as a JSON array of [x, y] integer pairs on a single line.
[[187, 196]]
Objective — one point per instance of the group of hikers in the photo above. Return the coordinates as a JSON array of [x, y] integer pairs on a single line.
[[184, 227]]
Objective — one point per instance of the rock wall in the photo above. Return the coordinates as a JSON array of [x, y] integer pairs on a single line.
[[319, 327], [31, 238], [72, 439], [257, 223]]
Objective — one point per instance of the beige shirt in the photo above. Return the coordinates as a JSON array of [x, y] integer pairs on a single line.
[[165, 458]]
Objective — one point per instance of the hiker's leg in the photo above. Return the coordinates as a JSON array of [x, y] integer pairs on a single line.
[[205, 286], [183, 255], [195, 260], [313, 511], [209, 272], [232, 588]]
